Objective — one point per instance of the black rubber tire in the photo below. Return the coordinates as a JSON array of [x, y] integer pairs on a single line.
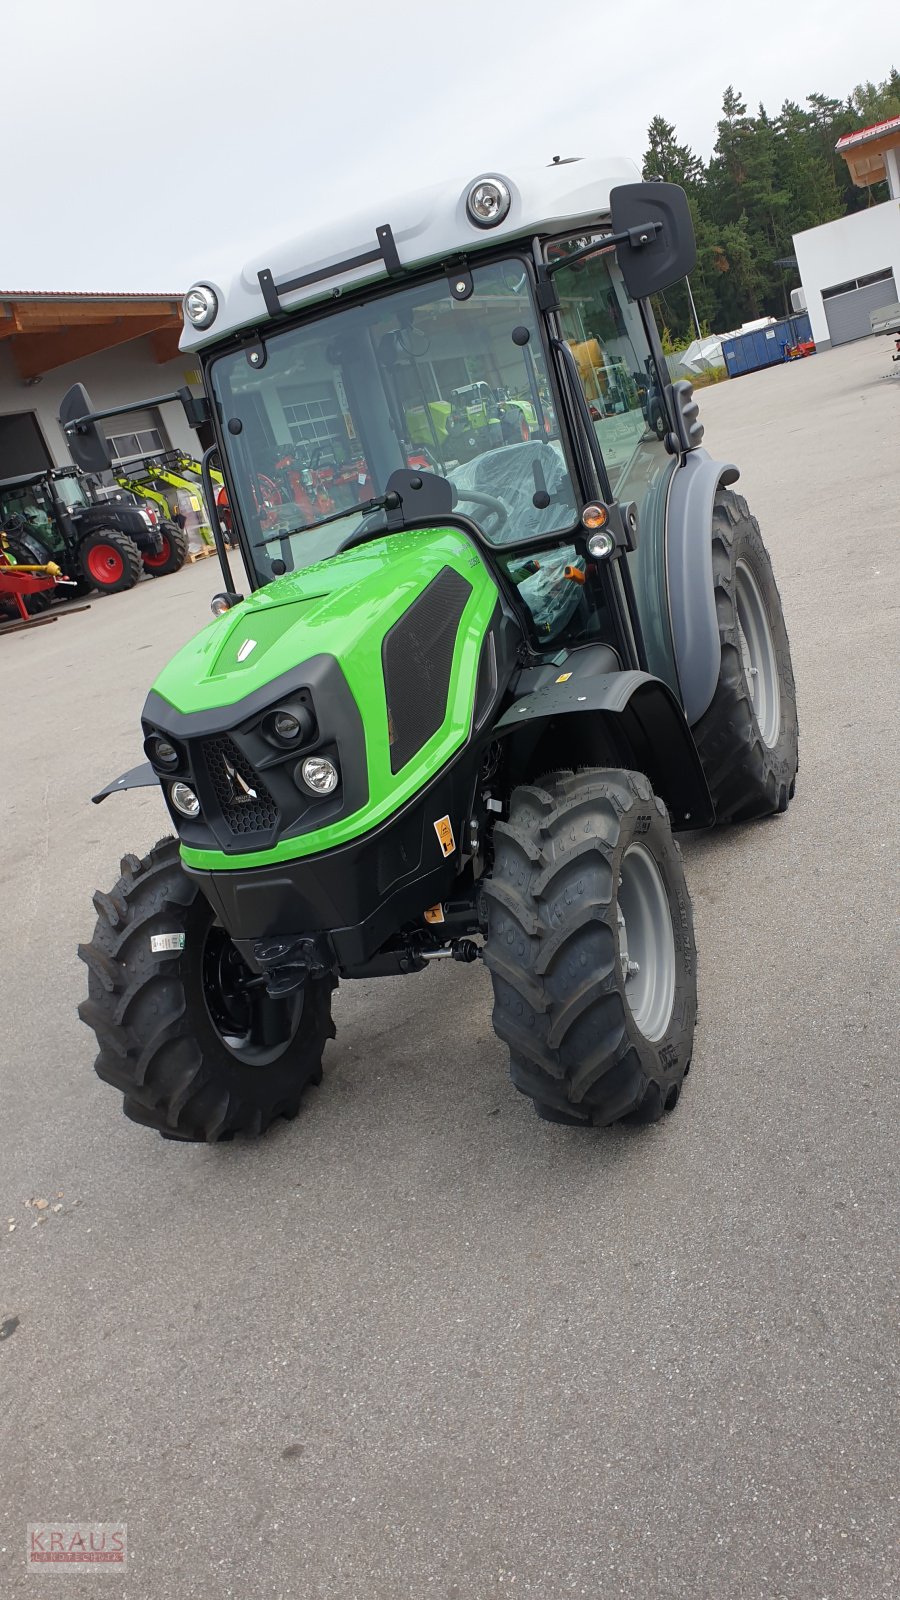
[[746, 777], [27, 551], [158, 1044], [177, 546], [125, 548], [552, 949]]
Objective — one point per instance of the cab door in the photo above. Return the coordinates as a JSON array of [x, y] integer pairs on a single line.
[[625, 394]]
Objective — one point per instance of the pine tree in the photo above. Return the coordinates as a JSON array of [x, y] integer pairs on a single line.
[[667, 159]]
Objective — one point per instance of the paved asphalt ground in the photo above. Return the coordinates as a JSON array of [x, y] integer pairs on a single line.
[[418, 1342]]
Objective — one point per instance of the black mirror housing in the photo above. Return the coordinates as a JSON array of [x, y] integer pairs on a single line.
[[661, 248], [88, 447]]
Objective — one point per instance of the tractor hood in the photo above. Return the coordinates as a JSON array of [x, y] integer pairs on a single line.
[[383, 644], [341, 607]]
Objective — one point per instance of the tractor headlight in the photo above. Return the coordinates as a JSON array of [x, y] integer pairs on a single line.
[[320, 774], [184, 800], [200, 305], [161, 752], [488, 202]]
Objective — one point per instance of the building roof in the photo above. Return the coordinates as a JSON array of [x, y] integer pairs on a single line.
[[89, 294], [879, 130], [48, 328]]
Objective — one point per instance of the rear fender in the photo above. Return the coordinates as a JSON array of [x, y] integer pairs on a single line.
[[630, 713], [689, 575]]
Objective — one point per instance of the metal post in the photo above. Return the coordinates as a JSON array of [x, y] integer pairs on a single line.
[[693, 309]]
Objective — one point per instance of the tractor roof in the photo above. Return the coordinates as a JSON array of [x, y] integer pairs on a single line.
[[431, 225]]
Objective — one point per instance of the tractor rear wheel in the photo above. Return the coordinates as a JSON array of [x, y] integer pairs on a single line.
[[172, 556], [748, 739], [110, 561], [186, 1031], [590, 947]]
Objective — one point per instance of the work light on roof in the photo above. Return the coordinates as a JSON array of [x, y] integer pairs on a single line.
[[488, 202], [200, 305]]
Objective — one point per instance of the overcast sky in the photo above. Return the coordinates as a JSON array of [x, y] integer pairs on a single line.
[[145, 146]]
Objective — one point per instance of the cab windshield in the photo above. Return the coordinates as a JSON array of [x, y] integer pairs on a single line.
[[415, 380]]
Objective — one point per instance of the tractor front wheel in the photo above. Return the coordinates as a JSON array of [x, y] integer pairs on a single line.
[[590, 947], [173, 554], [110, 561], [748, 739], [185, 1029]]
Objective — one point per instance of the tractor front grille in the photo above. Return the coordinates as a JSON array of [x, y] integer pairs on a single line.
[[246, 803], [417, 659]]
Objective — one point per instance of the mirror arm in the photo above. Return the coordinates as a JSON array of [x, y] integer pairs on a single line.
[[195, 409], [635, 237]]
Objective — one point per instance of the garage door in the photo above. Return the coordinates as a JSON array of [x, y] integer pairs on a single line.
[[848, 306], [138, 433]]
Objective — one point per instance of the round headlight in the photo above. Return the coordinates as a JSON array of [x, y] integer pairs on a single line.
[[219, 604], [162, 752], [184, 800], [601, 544], [319, 774], [200, 305], [286, 725], [488, 202]]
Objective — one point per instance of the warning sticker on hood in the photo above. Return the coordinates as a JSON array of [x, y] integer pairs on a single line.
[[444, 830]]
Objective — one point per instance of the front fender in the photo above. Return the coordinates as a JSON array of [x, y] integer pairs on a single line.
[[142, 777], [643, 720], [689, 575]]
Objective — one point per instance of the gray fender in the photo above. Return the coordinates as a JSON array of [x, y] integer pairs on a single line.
[[650, 720], [142, 777], [689, 577]]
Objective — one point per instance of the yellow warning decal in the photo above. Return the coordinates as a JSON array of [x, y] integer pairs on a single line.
[[434, 914], [444, 830], [564, 677]]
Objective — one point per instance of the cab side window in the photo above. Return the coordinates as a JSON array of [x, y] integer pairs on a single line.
[[603, 329]]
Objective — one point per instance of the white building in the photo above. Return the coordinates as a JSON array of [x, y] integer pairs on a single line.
[[851, 267], [848, 269]]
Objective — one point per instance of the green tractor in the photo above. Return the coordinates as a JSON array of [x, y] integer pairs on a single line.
[[461, 717]]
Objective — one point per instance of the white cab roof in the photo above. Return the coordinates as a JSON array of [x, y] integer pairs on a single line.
[[428, 226]]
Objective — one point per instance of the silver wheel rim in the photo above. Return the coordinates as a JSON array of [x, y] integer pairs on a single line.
[[646, 942], [758, 654]]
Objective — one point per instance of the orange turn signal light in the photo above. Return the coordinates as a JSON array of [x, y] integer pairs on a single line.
[[594, 517]]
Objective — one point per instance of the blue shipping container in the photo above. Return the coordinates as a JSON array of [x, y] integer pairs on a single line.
[[764, 347]]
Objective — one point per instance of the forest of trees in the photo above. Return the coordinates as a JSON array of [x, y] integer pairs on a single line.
[[767, 179]]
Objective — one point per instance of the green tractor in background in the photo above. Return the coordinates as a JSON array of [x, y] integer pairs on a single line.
[[462, 717]]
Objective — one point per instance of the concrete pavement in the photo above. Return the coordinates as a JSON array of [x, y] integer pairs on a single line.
[[418, 1342]]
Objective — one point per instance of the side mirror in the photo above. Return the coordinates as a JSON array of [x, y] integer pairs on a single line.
[[659, 247], [87, 445]]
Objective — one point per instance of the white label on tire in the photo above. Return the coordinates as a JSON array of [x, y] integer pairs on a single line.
[[162, 942]]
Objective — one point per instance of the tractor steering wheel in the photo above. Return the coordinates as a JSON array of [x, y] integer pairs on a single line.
[[496, 508]]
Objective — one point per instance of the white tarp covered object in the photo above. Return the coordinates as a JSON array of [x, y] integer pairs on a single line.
[[703, 354]]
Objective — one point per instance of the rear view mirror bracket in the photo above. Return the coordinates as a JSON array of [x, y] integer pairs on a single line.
[[88, 446], [653, 228]]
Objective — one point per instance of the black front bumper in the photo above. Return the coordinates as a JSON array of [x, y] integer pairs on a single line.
[[359, 894]]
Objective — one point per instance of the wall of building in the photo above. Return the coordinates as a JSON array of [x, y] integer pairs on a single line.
[[126, 373], [851, 247]]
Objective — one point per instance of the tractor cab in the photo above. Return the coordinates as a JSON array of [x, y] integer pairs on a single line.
[[505, 363]]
